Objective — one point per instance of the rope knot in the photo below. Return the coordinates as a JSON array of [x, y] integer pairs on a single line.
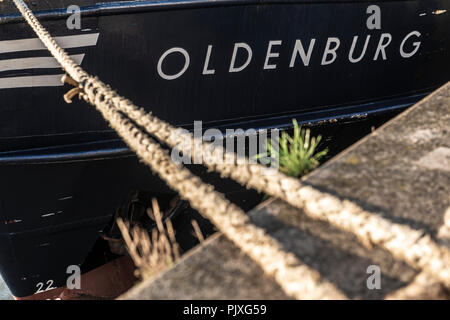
[[72, 92]]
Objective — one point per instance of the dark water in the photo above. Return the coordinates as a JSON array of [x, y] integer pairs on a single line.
[[339, 137]]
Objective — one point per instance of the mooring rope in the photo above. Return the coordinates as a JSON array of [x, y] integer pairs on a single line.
[[371, 228], [294, 277]]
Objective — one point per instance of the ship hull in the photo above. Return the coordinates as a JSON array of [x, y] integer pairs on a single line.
[[230, 64]]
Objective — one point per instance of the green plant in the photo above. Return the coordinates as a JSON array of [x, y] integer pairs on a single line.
[[296, 155]]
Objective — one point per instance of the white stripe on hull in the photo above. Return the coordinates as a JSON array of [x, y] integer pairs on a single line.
[[35, 63], [31, 81], [76, 41]]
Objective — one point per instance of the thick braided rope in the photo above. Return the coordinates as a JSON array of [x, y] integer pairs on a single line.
[[70, 66], [295, 278], [403, 242], [371, 228]]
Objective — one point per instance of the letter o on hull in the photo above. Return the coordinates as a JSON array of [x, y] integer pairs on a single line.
[[183, 70]]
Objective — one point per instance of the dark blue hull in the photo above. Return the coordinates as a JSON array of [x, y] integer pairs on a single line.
[[232, 64]]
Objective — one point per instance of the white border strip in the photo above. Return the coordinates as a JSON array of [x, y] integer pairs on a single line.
[[31, 81], [76, 41], [35, 63]]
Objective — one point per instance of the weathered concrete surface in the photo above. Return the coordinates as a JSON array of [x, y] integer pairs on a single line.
[[205, 273], [402, 169]]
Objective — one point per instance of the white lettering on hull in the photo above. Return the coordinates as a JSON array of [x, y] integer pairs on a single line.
[[350, 55], [205, 66], [298, 49], [249, 50], [187, 61], [382, 45], [271, 54], [357, 52], [416, 45], [332, 45]]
